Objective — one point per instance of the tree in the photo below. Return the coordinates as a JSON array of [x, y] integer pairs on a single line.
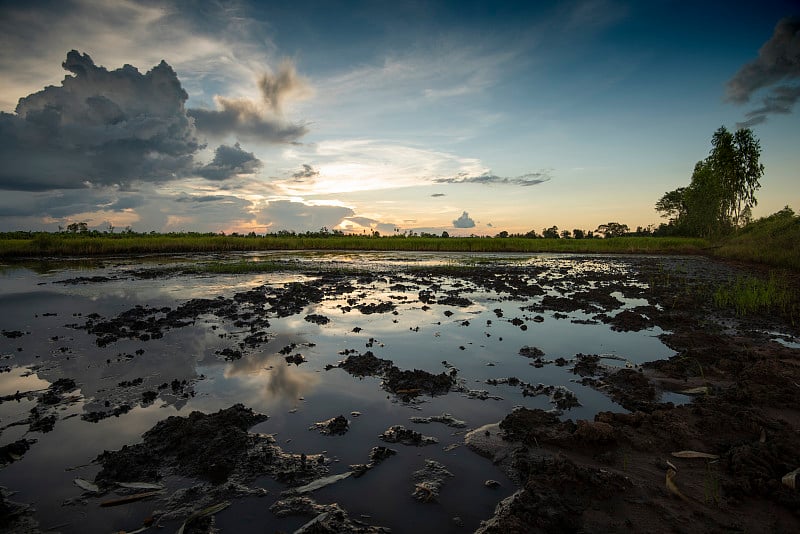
[[613, 229], [722, 189], [78, 228], [566, 234], [445, 234], [550, 233], [734, 161], [673, 206], [577, 233], [502, 234]]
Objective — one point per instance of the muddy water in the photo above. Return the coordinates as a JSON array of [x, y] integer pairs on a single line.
[[127, 384]]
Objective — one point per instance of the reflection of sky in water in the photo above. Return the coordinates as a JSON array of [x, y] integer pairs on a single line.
[[296, 396]]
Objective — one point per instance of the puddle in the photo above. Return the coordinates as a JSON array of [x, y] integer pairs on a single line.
[[273, 341]]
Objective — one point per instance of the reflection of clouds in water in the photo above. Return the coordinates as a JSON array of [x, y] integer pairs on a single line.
[[267, 374]]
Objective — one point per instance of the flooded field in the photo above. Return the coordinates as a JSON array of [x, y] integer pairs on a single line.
[[338, 390]]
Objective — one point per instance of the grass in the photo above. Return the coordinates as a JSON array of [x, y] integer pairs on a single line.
[[61, 245], [748, 295], [773, 241]]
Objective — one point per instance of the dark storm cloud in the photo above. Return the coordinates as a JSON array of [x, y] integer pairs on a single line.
[[66, 202], [243, 118], [525, 180], [229, 161], [262, 121], [778, 61], [307, 172], [780, 101], [102, 127], [464, 221]]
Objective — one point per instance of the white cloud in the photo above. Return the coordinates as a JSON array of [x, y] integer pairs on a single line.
[[369, 165]]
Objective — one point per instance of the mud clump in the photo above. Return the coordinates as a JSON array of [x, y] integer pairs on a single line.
[[14, 451], [428, 481], [459, 302], [200, 445], [366, 364], [294, 297], [335, 426], [317, 319], [417, 382], [629, 321], [408, 383], [531, 352], [376, 456], [406, 436]]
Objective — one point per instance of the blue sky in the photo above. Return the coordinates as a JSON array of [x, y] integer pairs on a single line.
[[470, 117]]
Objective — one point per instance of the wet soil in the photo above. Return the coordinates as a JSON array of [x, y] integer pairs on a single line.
[[619, 471], [734, 394]]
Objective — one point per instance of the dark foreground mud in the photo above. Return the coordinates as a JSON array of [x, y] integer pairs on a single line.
[[716, 464]]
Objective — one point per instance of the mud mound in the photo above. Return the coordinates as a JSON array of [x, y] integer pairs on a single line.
[[200, 445]]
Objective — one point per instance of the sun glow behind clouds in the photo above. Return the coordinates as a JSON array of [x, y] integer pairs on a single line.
[[347, 166]]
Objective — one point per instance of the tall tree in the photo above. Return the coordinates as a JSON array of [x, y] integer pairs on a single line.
[[723, 187], [734, 160]]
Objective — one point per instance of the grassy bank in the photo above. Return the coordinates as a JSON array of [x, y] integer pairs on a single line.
[[773, 240], [44, 244]]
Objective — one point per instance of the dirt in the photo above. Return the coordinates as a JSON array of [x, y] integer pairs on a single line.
[[614, 472], [610, 474]]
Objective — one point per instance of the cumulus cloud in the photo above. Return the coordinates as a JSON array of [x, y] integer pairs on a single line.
[[100, 127], [302, 217], [229, 161], [465, 221], [525, 180], [778, 61], [257, 120]]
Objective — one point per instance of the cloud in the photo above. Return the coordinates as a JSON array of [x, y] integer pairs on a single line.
[[780, 101], [436, 195], [464, 221], [257, 120], [99, 127], [301, 217], [525, 180], [285, 85], [778, 61], [307, 172], [356, 165], [229, 161], [363, 221]]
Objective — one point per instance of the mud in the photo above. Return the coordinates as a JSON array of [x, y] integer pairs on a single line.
[[608, 474], [731, 390]]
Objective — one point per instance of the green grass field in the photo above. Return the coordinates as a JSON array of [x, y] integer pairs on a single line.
[[44, 244], [772, 241]]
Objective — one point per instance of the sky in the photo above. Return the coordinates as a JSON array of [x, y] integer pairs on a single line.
[[462, 116]]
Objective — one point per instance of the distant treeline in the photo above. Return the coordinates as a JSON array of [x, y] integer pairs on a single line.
[[771, 241]]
